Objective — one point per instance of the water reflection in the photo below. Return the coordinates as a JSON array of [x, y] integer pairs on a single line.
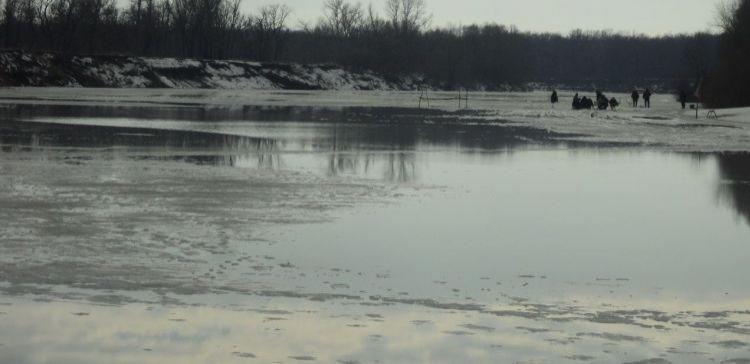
[[267, 113], [287, 331], [370, 150], [402, 168], [362, 150], [384, 152], [734, 169], [141, 144]]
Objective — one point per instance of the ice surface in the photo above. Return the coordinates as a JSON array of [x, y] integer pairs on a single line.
[[665, 126], [204, 225]]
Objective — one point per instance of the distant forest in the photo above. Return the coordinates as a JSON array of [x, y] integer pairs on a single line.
[[393, 39]]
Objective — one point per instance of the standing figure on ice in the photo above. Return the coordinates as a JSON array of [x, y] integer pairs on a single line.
[[635, 96], [683, 98], [576, 102], [647, 99], [554, 98]]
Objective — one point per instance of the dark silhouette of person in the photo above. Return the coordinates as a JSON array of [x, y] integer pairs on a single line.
[[576, 102], [635, 96], [601, 101], [647, 98], [554, 98], [586, 103], [613, 103], [683, 98]]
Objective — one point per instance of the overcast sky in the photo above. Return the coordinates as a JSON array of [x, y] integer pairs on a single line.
[[653, 17], [641, 16]]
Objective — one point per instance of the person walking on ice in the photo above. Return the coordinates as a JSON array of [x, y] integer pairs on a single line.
[[554, 98], [647, 99], [635, 96]]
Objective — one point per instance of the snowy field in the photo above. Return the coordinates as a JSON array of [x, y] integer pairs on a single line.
[[195, 226]]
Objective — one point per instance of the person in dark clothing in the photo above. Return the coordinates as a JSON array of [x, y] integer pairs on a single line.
[[647, 98], [602, 104], [683, 98], [613, 103], [587, 103], [583, 103], [635, 96], [601, 101], [554, 98]]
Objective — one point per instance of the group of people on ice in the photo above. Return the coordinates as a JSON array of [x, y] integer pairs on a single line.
[[602, 102]]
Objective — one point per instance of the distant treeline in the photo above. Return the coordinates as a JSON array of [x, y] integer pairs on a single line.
[[394, 40]]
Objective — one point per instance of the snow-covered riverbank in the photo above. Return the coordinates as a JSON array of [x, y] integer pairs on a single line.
[[46, 69]]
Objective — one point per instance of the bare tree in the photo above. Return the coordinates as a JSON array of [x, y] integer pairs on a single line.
[[91, 15], [341, 18], [144, 17], [29, 17], [269, 29], [135, 12], [272, 18], [725, 15], [62, 18], [407, 16], [201, 25], [10, 13], [373, 22], [232, 22]]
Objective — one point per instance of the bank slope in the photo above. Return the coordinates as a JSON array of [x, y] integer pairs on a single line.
[[19, 68]]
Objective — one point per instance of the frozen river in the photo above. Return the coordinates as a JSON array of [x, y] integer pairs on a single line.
[[159, 226]]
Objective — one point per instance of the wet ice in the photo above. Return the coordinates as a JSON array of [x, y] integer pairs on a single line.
[[274, 221]]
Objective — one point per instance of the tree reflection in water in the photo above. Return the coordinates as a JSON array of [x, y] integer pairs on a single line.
[[384, 151], [364, 150], [734, 169]]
